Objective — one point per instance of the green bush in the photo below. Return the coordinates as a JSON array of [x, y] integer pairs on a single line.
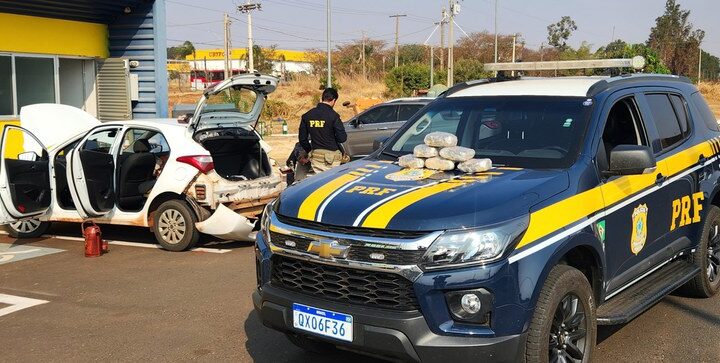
[[323, 82], [404, 80]]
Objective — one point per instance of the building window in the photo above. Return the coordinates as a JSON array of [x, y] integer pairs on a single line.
[[30, 79], [7, 100], [34, 80]]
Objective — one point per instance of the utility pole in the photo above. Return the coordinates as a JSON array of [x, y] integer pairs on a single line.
[[329, 52], [454, 10], [362, 57], [226, 55], [496, 34], [397, 36], [513, 51], [432, 66], [443, 21], [700, 51], [247, 8]]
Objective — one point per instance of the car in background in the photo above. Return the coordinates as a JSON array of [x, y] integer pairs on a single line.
[[378, 122], [210, 175]]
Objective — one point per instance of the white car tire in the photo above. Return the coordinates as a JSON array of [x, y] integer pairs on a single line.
[[174, 226], [28, 228]]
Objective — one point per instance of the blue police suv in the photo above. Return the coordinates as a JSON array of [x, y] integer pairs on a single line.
[[603, 198]]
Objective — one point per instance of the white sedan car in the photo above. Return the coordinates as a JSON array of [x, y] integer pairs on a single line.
[[211, 175]]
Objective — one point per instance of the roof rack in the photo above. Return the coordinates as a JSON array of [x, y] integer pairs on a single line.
[[637, 63], [605, 84]]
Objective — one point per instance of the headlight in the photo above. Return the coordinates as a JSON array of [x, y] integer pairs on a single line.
[[265, 221], [473, 246]]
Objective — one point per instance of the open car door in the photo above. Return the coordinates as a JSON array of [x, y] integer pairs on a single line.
[[24, 176], [91, 172]]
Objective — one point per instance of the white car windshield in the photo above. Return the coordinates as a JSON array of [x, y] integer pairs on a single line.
[[521, 131]]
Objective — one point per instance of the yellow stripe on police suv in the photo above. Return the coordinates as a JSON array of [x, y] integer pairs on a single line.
[[310, 205], [570, 210], [381, 216]]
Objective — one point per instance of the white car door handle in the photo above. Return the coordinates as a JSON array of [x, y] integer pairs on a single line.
[[382, 128]]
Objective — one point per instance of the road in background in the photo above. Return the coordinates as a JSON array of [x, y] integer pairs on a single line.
[[148, 304]]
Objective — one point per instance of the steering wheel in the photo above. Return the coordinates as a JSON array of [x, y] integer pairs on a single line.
[[420, 129]]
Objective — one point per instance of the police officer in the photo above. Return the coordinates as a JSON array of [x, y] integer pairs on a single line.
[[322, 132]]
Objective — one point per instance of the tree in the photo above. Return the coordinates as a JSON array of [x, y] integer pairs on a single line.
[[263, 58], [413, 53], [710, 67], [620, 49], [560, 32], [675, 40], [405, 79], [181, 51]]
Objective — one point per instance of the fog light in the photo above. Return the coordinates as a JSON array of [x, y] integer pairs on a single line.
[[470, 303], [470, 306]]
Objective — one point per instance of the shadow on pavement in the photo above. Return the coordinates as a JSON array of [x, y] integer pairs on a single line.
[[265, 345]]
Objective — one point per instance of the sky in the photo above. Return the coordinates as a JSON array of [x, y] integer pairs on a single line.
[[301, 24]]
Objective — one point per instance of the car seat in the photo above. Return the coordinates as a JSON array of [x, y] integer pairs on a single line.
[[136, 176]]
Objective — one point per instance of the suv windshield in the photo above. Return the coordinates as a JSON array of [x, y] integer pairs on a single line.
[[234, 106], [519, 131]]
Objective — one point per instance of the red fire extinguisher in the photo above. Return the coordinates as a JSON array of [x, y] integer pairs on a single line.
[[94, 244]]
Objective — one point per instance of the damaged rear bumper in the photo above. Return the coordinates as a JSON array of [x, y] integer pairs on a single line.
[[227, 224]]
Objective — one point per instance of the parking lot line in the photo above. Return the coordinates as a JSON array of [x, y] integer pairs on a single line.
[[17, 303], [132, 244]]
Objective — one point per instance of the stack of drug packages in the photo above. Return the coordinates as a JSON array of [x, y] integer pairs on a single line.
[[440, 152]]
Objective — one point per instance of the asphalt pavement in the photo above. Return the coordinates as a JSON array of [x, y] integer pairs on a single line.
[[138, 304]]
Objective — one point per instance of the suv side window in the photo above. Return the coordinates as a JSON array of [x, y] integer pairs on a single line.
[[705, 111], [624, 126], [100, 141], [682, 114], [407, 111], [666, 120], [379, 114]]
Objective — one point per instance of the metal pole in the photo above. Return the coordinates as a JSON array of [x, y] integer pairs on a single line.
[[442, 39], [699, 62], [513, 52], [226, 55], [329, 53], [496, 34], [397, 37], [451, 40], [432, 66], [251, 56], [364, 68]]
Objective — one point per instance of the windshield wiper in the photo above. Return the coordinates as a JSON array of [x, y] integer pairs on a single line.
[[388, 153]]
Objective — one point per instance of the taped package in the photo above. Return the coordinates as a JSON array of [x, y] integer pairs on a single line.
[[457, 153], [411, 162], [440, 139], [475, 165], [424, 151], [437, 163]]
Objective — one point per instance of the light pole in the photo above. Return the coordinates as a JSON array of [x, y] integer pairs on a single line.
[[329, 52], [496, 34]]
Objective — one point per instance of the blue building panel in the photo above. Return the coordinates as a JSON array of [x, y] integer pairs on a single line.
[[140, 36]]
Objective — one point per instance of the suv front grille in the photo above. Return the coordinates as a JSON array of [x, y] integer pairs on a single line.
[[342, 284], [356, 252]]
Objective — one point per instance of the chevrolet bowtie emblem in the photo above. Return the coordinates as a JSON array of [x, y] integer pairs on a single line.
[[328, 249]]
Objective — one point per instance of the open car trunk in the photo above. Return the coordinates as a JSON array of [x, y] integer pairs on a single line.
[[237, 153]]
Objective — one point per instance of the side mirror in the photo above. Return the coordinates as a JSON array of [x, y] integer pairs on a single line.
[[379, 143], [631, 160], [355, 123], [183, 119], [28, 156]]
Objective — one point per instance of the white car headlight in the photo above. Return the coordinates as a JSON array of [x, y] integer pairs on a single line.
[[473, 246]]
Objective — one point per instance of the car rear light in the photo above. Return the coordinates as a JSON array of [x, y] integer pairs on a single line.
[[204, 163]]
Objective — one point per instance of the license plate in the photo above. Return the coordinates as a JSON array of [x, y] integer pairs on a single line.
[[323, 322]]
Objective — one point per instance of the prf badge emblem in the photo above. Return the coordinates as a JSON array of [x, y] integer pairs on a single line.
[[639, 228]]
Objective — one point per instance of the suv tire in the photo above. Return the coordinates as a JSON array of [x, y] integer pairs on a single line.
[[28, 228], [174, 226], [564, 317], [707, 257], [310, 345]]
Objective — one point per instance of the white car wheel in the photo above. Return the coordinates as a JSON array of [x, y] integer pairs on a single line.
[[27, 228], [174, 226]]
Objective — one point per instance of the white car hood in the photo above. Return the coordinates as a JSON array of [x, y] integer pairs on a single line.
[[53, 123]]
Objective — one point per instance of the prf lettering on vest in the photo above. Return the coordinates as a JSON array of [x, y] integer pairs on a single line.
[[682, 208], [317, 123], [370, 190]]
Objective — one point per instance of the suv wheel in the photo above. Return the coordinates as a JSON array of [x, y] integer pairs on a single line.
[[563, 328], [174, 226], [310, 345], [707, 257], [28, 228]]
